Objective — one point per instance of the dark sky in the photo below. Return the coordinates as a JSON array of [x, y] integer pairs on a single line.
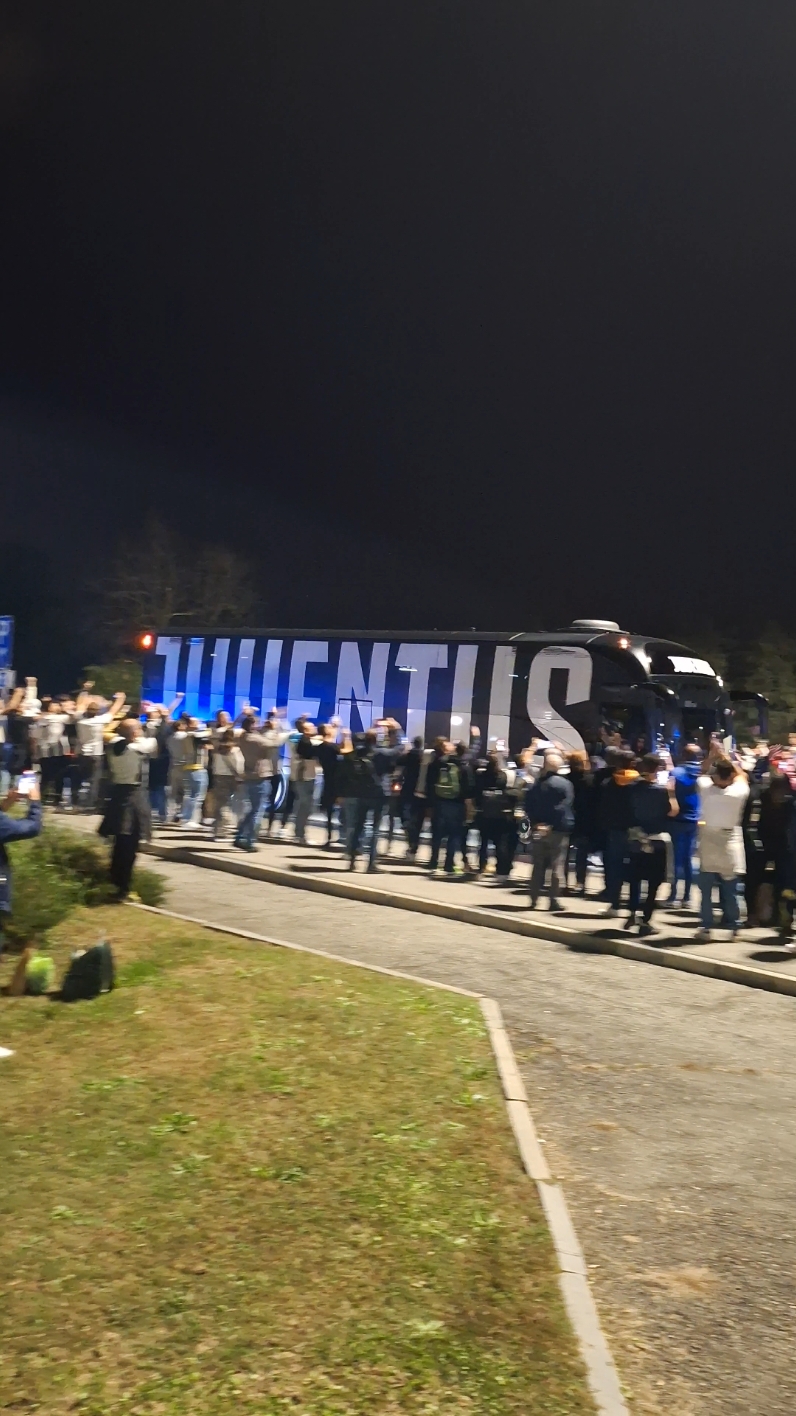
[[446, 313]]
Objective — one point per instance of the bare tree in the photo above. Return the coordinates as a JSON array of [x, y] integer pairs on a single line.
[[157, 577]]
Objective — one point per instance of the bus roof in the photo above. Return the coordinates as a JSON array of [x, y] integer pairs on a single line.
[[425, 636]]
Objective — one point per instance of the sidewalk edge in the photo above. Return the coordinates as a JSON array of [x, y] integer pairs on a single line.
[[678, 959]]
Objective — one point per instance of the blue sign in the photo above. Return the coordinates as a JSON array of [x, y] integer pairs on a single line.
[[6, 641]]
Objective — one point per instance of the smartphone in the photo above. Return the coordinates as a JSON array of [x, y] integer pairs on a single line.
[[26, 782]]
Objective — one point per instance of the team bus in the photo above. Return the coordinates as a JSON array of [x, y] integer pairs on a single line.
[[562, 686]]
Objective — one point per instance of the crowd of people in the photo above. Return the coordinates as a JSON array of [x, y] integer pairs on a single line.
[[634, 815]]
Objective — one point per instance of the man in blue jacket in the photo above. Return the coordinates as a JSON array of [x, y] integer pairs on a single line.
[[684, 827], [14, 828], [549, 808]]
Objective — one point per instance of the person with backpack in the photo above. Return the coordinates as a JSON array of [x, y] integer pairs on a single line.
[[450, 779], [494, 808]]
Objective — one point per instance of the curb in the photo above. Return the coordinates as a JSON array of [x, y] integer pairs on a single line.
[[678, 959], [601, 1373]]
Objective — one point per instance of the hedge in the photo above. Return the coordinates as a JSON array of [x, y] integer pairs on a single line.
[[57, 871]]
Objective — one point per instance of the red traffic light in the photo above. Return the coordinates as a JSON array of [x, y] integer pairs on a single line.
[[145, 641]]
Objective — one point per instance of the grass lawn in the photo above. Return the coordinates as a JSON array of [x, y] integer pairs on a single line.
[[253, 1181]]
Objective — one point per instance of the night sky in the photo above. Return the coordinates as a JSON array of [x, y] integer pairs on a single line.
[[447, 314]]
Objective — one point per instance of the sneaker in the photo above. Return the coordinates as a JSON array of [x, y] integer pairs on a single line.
[[556, 908], [352, 865], [610, 913], [702, 936], [374, 869], [250, 846], [646, 929], [630, 922], [533, 902]]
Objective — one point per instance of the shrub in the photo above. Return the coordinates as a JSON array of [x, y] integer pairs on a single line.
[[42, 894], [61, 869]]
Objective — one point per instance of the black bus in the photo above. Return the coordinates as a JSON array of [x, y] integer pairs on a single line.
[[564, 685]]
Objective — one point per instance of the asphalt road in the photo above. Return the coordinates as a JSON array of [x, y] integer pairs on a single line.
[[665, 1101]]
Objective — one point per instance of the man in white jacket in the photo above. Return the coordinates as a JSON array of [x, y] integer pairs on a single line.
[[723, 790]]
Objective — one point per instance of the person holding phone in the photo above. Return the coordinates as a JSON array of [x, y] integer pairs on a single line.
[[13, 828]]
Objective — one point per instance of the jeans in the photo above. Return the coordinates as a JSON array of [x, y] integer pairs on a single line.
[[157, 802], [684, 835], [447, 824], [728, 898], [305, 792], [254, 805], [614, 863], [357, 814], [549, 852], [195, 791]]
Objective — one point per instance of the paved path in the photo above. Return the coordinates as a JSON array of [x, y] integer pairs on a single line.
[[759, 948], [666, 1104]]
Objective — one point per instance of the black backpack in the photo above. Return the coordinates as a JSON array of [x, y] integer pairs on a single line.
[[493, 802], [90, 973]]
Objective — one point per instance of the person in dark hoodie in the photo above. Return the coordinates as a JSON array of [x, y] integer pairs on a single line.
[[616, 818], [360, 784], [413, 807], [653, 807], [774, 834], [684, 826], [548, 806], [494, 807]]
